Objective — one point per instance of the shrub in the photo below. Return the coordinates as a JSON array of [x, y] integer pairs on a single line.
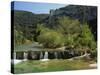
[[51, 39], [68, 25]]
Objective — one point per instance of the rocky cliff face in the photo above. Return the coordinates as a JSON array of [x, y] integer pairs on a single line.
[[78, 12], [82, 13]]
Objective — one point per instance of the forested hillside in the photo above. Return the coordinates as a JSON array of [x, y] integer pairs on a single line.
[[26, 22]]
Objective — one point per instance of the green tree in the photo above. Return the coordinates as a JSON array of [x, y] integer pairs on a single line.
[[69, 41], [86, 41], [50, 38], [70, 28], [19, 38], [67, 25]]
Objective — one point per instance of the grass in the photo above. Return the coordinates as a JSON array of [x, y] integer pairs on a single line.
[[32, 66]]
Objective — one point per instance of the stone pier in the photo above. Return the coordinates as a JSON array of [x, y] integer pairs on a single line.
[[25, 56], [38, 55]]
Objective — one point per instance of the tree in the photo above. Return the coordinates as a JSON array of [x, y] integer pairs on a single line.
[[67, 25], [70, 29], [19, 38], [86, 39], [50, 38], [69, 41]]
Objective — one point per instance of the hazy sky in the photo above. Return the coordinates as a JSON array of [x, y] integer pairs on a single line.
[[36, 7]]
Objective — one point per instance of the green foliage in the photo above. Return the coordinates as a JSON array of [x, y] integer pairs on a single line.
[[26, 22], [19, 38], [67, 25], [87, 38], [69, 33], [76, 36], [42, 28], [50, 38], [85, 41], [69, 41], [70, 28]]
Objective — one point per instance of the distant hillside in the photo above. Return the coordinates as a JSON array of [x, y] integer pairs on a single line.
[[27, 21], [24, 18]]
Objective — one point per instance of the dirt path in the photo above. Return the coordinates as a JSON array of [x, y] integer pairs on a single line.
[[93, 65]]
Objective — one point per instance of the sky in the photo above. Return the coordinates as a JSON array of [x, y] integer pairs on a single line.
[[36, 7]]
